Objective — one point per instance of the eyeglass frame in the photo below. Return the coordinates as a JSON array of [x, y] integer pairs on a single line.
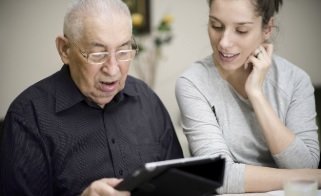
[[86, 55]]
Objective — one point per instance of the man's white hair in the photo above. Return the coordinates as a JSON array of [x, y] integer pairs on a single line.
[[74, 18]]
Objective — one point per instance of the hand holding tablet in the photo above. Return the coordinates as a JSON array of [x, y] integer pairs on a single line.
[[185, 176]]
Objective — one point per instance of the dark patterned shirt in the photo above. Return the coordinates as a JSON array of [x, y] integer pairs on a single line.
[[55, 142]]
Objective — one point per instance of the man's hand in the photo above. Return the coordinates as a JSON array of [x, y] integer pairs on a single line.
[[104, 187]]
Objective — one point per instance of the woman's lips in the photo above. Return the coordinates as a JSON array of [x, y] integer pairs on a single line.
[[228, 57]]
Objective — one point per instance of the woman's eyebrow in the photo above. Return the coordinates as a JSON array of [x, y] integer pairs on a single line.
[[238, 23], [214, 18], [245, 23]]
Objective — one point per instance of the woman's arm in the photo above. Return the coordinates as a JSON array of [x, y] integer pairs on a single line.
[[285, 145], [263, 179], [206, 138], [297, 136], [204, 134], [278, 137]]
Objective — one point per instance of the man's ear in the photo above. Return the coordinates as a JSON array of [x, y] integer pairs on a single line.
[[63, 48], [268, 29]]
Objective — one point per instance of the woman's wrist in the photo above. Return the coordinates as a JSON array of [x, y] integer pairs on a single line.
[[255, 95]]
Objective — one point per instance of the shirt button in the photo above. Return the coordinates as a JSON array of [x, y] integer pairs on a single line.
[[113, 140], [121, 172]]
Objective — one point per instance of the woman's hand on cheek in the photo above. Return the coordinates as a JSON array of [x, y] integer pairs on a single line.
[[260, 61]]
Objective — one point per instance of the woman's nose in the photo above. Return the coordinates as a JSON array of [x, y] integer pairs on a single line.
[[226, 40]]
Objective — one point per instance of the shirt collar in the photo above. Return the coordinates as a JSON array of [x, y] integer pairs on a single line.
[[130, 87], [67, 93]]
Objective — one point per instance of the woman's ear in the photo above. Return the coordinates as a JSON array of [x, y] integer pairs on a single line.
[[268, 28], [63, 48]]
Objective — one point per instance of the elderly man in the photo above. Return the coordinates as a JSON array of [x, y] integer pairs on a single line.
[[90, 124]]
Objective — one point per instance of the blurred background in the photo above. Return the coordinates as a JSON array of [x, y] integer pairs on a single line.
[[28, 30]]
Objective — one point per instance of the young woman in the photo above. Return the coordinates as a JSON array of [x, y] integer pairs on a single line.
[[249, 105]]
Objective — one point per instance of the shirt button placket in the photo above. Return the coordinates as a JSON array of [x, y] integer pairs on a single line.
[[121, 172]]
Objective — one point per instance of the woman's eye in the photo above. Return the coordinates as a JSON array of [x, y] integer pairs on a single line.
[[241, 32], [216, 27]]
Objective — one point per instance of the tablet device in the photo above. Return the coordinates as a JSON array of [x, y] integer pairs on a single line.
[[185, 176]]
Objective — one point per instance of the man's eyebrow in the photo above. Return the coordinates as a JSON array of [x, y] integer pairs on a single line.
[[126, 43], [97, 44]]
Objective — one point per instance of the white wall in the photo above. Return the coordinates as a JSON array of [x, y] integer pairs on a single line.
[[28, 54], [27, 44], [299, 37]]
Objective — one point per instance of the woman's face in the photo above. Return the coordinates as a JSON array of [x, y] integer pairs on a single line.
[[235, 31]]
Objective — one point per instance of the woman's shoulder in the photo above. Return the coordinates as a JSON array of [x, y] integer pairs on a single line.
[[200, 69], [287, 76], [286, 68]]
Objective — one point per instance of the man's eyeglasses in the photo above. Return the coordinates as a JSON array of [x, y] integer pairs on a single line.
[[102, 57]]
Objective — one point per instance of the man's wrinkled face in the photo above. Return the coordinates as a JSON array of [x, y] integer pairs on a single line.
[[101, 82]]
